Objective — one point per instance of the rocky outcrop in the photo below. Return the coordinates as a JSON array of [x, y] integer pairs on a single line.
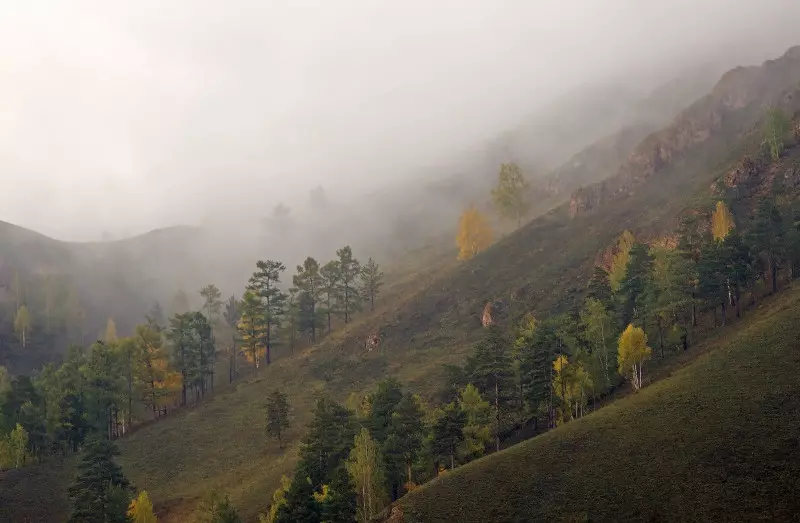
[[737, 89]]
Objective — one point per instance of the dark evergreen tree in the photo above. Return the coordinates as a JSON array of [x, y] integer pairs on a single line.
[[599, 286], [101, 492], [536, 359], [382, 404], [231, 315], [493, 374], [349, 271], [408, 428], [330, 274], [371, 282], [277, 415], [328, 443], [339, 505], [741, 272], [264, 283], [308, 283], [632, 288], [713, 278], [300, 505], [448, 433], [767, 238]]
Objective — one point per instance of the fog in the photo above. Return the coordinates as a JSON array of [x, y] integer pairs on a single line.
[[121, 117]]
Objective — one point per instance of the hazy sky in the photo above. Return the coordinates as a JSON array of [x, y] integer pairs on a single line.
[[125, 116]]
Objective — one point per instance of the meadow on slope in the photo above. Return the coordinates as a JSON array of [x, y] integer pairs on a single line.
[[715, 440]]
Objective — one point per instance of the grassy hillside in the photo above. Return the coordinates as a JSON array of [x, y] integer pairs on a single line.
[[428, 316], [715, 440]]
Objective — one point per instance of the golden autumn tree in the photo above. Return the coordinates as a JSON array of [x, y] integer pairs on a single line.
[[721, 221], [632, 353], [111, 331], [141, 509], [619, 263], [474, 233], [571, 384], [22, 324]]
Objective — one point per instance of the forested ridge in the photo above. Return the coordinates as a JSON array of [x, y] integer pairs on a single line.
[[661, 281]]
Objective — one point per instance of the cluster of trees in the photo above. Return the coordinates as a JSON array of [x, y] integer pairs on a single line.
[[320, 293], [550, 370], [41, 308], [511, 201], [356, 458]]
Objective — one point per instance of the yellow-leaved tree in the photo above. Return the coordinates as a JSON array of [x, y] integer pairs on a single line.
[[571, 384], [474, 233], [22, 324], [632, 353], [721, 221], [141, 509], [111, 331], [278, 500], [619, 263]]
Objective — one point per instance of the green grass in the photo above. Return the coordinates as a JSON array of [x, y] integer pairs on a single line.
[[715, 440]]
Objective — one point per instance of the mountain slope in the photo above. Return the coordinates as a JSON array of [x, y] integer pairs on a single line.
[[430, 317], [716, 440]]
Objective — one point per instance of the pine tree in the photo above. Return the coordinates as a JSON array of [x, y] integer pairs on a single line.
[[277, 415], [474, 233], [264, 284], [180, 337], [634, 284], [327, 443], [232, 317], [493, 374], [740, 267], [340, 503], [767, 238], [448, 433], [300, 505], [211, 302], [407, 430], [349, 270], [477, 422], [382, 405], [308, 283], [509, 196], [371, 282], [154, 374], [599, 287], [251, 327], [100, 490], [712, 277], [330, 274]]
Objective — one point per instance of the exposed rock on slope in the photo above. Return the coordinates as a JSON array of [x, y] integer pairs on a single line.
[[741, 90]]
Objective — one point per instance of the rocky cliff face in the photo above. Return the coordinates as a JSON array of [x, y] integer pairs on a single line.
[[773, 82]]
